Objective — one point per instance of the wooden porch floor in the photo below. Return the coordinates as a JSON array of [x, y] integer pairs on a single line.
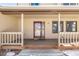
[[41, 43], [35, 44]]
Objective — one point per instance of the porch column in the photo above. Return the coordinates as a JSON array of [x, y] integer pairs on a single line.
[[22, 22], [59, 29]]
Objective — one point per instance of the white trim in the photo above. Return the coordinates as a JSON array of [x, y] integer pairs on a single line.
[[22, 17], [59, 29], [22, 22]]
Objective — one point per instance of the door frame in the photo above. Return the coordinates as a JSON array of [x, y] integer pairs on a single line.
[[39, 37]]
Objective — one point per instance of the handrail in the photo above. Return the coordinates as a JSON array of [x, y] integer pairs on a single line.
[[10, 32], [11, 38], [69, 38]]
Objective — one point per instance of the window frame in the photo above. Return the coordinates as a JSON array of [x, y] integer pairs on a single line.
[[56, 22], [70, 27], [35, 4]]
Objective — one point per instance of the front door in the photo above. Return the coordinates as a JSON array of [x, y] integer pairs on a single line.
[[39, 29]]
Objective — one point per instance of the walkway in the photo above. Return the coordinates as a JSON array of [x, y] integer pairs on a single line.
[[41, 52]]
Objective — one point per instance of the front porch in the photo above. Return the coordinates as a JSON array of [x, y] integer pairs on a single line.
[[23, 34], [41, 44]]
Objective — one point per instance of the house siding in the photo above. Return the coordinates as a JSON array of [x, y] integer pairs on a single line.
[[12, 23]]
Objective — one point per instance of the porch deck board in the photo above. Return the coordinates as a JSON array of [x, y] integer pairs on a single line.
[[41, 43]]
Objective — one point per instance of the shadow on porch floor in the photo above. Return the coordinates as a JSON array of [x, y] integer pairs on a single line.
[[41, 43]]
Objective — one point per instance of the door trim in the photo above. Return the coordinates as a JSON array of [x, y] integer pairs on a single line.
[[39, 37]]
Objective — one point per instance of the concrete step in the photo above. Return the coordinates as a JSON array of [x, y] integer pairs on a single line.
[[40, 46], [11, 47]]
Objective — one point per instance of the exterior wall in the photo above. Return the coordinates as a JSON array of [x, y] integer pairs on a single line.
[[9, 23], [28, 25], [71, 17], [47, 18]]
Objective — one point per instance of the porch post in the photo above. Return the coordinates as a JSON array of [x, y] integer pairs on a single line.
[[22, 22], [59, 29]]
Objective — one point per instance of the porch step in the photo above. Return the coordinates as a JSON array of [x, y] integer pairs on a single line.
[[40, 46], [68, 47], [11, 47]]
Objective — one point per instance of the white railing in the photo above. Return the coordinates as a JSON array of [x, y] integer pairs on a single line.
[[69, 38], [11, 38]]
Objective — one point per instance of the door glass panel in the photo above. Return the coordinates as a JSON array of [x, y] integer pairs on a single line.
[[37, 26], [37, 33], [43, 33], [39, 29], [43, 29]]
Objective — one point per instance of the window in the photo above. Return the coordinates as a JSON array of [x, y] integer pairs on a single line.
[[55, 26], [34, 4], [73, 3], [71, 26], [65, 3]]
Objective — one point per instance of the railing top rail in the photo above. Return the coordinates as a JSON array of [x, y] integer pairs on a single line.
[[10, 32], [69, 32]]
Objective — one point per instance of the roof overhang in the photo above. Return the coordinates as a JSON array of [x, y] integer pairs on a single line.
[[39, 9]]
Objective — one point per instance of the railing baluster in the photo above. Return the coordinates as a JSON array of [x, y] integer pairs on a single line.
[[76, 38], [16, 37], [2, 38], [65, 37], [19, 38], [70, 35], [73, 38], [5, 37], [10, 37], [13, 38], [22, 39], [62, 38], [69, 38]]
